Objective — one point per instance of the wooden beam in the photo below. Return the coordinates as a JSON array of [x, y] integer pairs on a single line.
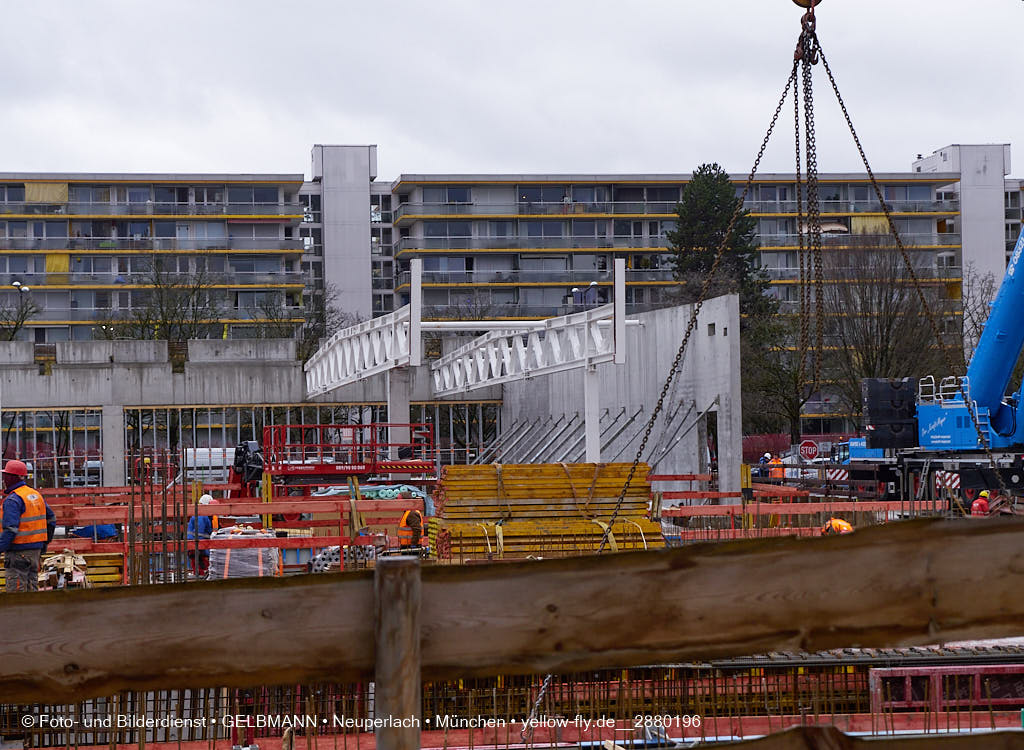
[[900, 584], [397, 681]]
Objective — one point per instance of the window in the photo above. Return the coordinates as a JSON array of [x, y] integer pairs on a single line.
[[663, 194], [207, 195], [629, 195], [543, 228], [12, 193], [542, 193]]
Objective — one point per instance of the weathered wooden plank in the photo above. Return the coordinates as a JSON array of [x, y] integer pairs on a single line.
[[397, 681], [900, 584]]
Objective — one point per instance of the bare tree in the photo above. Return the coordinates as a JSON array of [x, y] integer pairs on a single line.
[[978, 292], [774, 389], [173, 306], [317, 318], [14, 317], [875, 323]]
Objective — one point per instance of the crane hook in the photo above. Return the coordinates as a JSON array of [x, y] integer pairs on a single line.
[[807, 3]]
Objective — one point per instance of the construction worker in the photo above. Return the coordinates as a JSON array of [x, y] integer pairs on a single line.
[[980, 506], [777, 470], [410, 529], [836, 526], [28, 524], [202, 527]]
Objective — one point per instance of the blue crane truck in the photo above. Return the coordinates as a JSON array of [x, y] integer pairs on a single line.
[[963, 426]]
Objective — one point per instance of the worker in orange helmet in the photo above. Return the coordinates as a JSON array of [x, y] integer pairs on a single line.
[[28, 526], [980, 506], [835, 526]]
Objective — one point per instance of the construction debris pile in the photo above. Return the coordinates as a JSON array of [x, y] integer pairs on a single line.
[[496, 511]]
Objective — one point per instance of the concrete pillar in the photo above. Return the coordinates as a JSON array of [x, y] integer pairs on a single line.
[[112, 431], [399, 384], [592, 413]]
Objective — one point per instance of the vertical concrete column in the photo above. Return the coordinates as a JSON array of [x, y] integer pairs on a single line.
[[399, 383], [112, 431], [592, 413], [397, 686]]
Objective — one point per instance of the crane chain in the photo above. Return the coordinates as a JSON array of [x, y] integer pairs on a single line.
[[982, 438], [805, 301], [527, 731], [807, 55], [705, 287]]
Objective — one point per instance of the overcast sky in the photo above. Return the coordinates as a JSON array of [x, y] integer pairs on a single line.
[[494, 86]]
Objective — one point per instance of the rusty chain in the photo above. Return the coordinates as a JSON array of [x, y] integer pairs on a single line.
[[982, 438]]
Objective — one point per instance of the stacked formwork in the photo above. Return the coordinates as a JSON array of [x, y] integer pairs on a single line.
[[551, 510]]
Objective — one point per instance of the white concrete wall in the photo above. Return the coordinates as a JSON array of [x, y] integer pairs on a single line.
[[982, 170], [345, 173], [710, 377]]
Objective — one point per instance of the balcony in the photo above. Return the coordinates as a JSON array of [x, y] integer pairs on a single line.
[[150, 208], [115, 280], [413, 211], [854, 207], [517, 311], [103, 315], [412, 244], [923, 239], [940, 273], [156, 244], [536, 277]]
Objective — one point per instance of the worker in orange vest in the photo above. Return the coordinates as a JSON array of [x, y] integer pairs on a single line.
[[980, 506], [836, 526], [777, 470], [410, 529], [28, 527]]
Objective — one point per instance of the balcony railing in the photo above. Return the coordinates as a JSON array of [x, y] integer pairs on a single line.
[[113, 279], [947, 239], [572, 208], [559, 208], [854, 207], [841, 273], [74, 208], [71, 244], [103, 315], [534, 277], [530, 312], [530, 243]]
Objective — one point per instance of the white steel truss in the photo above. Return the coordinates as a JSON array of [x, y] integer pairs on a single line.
[[354, 353], [575, 340]]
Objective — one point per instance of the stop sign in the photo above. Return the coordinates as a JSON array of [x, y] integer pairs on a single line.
[[808, 450]]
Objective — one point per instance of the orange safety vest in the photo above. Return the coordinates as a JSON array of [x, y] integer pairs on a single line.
[[405, 530], [777, 471], [32, 525]]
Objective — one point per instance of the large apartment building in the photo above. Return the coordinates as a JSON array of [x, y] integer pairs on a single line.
[[95, 249]]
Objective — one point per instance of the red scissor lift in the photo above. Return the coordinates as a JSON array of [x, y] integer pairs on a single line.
[[318, 454], [298, 458]]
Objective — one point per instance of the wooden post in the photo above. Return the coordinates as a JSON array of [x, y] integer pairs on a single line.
[[397, 684]]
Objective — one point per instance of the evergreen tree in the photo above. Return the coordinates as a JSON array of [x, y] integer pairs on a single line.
[[702, 217]]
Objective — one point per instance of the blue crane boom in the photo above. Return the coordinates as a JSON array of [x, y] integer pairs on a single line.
[[944, 422]]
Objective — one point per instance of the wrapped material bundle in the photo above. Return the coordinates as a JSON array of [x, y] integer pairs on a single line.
[[249, 562]]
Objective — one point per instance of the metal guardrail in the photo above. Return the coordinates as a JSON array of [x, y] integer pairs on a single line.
[[76, 208]]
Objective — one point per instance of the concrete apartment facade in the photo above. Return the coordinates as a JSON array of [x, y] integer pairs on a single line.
[[84, 247]]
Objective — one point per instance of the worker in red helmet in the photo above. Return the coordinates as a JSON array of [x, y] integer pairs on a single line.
[[835, 526], [980, 506], [28, 526]]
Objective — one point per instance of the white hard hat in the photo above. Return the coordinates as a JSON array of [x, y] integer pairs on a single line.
[[206, 499], [767, 455]]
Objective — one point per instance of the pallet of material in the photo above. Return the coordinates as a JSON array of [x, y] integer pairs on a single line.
[[101, 570], [515, 510]]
